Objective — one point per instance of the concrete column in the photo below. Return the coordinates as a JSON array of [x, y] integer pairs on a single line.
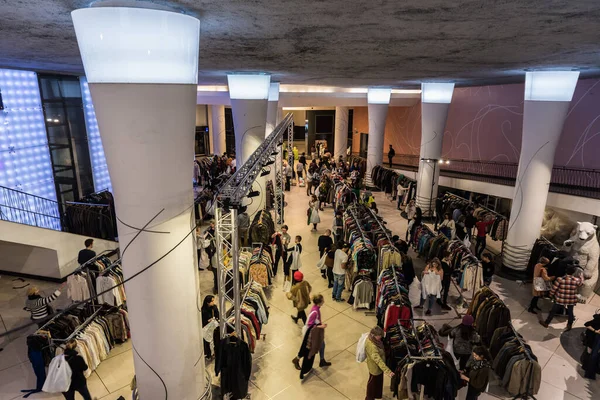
[[341, 132], [378, 101], [145, 107], [544, 115], [435, 101], [249, 94], [216, 121]]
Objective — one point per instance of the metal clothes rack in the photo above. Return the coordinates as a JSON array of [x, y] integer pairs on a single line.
[[80, 327], [529, 386], [86, 264], [497, 214]]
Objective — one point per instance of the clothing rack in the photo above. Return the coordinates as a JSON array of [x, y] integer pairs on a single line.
[[80, 327], [435, 348], [357, 222], [87, 204], [526, 395], [546, 241], [107, 253], [462, 199]]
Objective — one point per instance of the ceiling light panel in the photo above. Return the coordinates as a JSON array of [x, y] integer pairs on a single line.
[[379, 96], [99, 167], [249, 86], [437, 92], [550, 85], [24, 154]]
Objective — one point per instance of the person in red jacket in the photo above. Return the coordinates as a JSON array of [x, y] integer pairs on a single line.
[[481, 226]]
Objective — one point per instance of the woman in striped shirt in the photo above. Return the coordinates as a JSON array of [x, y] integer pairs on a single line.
[[38, 305]]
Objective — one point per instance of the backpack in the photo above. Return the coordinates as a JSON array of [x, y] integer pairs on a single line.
[[361, 353], [58, 379]]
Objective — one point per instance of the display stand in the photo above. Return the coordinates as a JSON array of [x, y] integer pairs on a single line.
[[228, 200]]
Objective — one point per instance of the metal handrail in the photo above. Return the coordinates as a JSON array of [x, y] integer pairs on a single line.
[[568, 180], [29, 209]]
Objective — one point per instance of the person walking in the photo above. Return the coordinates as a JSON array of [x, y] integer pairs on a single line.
[[464, 336], [488, 268], [78, 367], [313, 211], [564, 292], [481, 226], [541, 284], [280, 240], [300, 296], [211, 251], [477, 373], [391, 154], [376, 364], [86, 254], [325, 243], [294, 262], [209, 312], [446, 280], [431, 284], [315, 322], [39, 306], [340, 263]]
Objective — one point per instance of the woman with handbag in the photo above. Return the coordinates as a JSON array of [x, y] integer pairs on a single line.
[[313, 212], [210, 312], [300, 296], [542, 283]]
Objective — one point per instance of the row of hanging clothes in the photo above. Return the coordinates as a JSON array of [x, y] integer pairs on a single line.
[[514, 362], [100, 281], [233, 354], [92, 215], [97, 329], [542, 248], [261, 228], [489, 313], [392, 302], [343, 195], [357, 224], [422, 369], [498, 223], [326, 190], [468, 270], [394, 184], [260, 265]]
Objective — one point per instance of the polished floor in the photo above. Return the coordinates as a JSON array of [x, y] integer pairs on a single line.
[[273, 375]]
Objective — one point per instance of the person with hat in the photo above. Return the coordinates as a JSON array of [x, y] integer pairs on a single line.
[[465, 337], [300, 296]]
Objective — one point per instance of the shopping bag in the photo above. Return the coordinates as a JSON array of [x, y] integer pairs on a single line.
[[361, 354], [287, 286], [541, 285], [204, 261], [414, 291], [59, 374], [208, 330], [321, 264]]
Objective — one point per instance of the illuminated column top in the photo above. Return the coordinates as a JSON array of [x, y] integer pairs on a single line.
[[137, 45]]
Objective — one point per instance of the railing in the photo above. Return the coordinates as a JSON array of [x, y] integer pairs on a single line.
[[567, 180], [29, 209], [25, 208]]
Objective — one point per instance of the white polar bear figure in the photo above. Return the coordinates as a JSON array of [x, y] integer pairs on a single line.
[[583, 246]]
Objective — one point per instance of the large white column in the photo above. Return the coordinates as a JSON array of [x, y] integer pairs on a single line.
[[249, 94], [142, 68], [435, 101], [216, 121], [341, 132], [378, 103], [547, 99]]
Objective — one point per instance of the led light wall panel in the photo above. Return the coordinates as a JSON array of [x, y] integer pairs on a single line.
[[24, 154], [99, 167]]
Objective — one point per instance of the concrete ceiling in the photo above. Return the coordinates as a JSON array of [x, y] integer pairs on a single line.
[[343, 43]]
